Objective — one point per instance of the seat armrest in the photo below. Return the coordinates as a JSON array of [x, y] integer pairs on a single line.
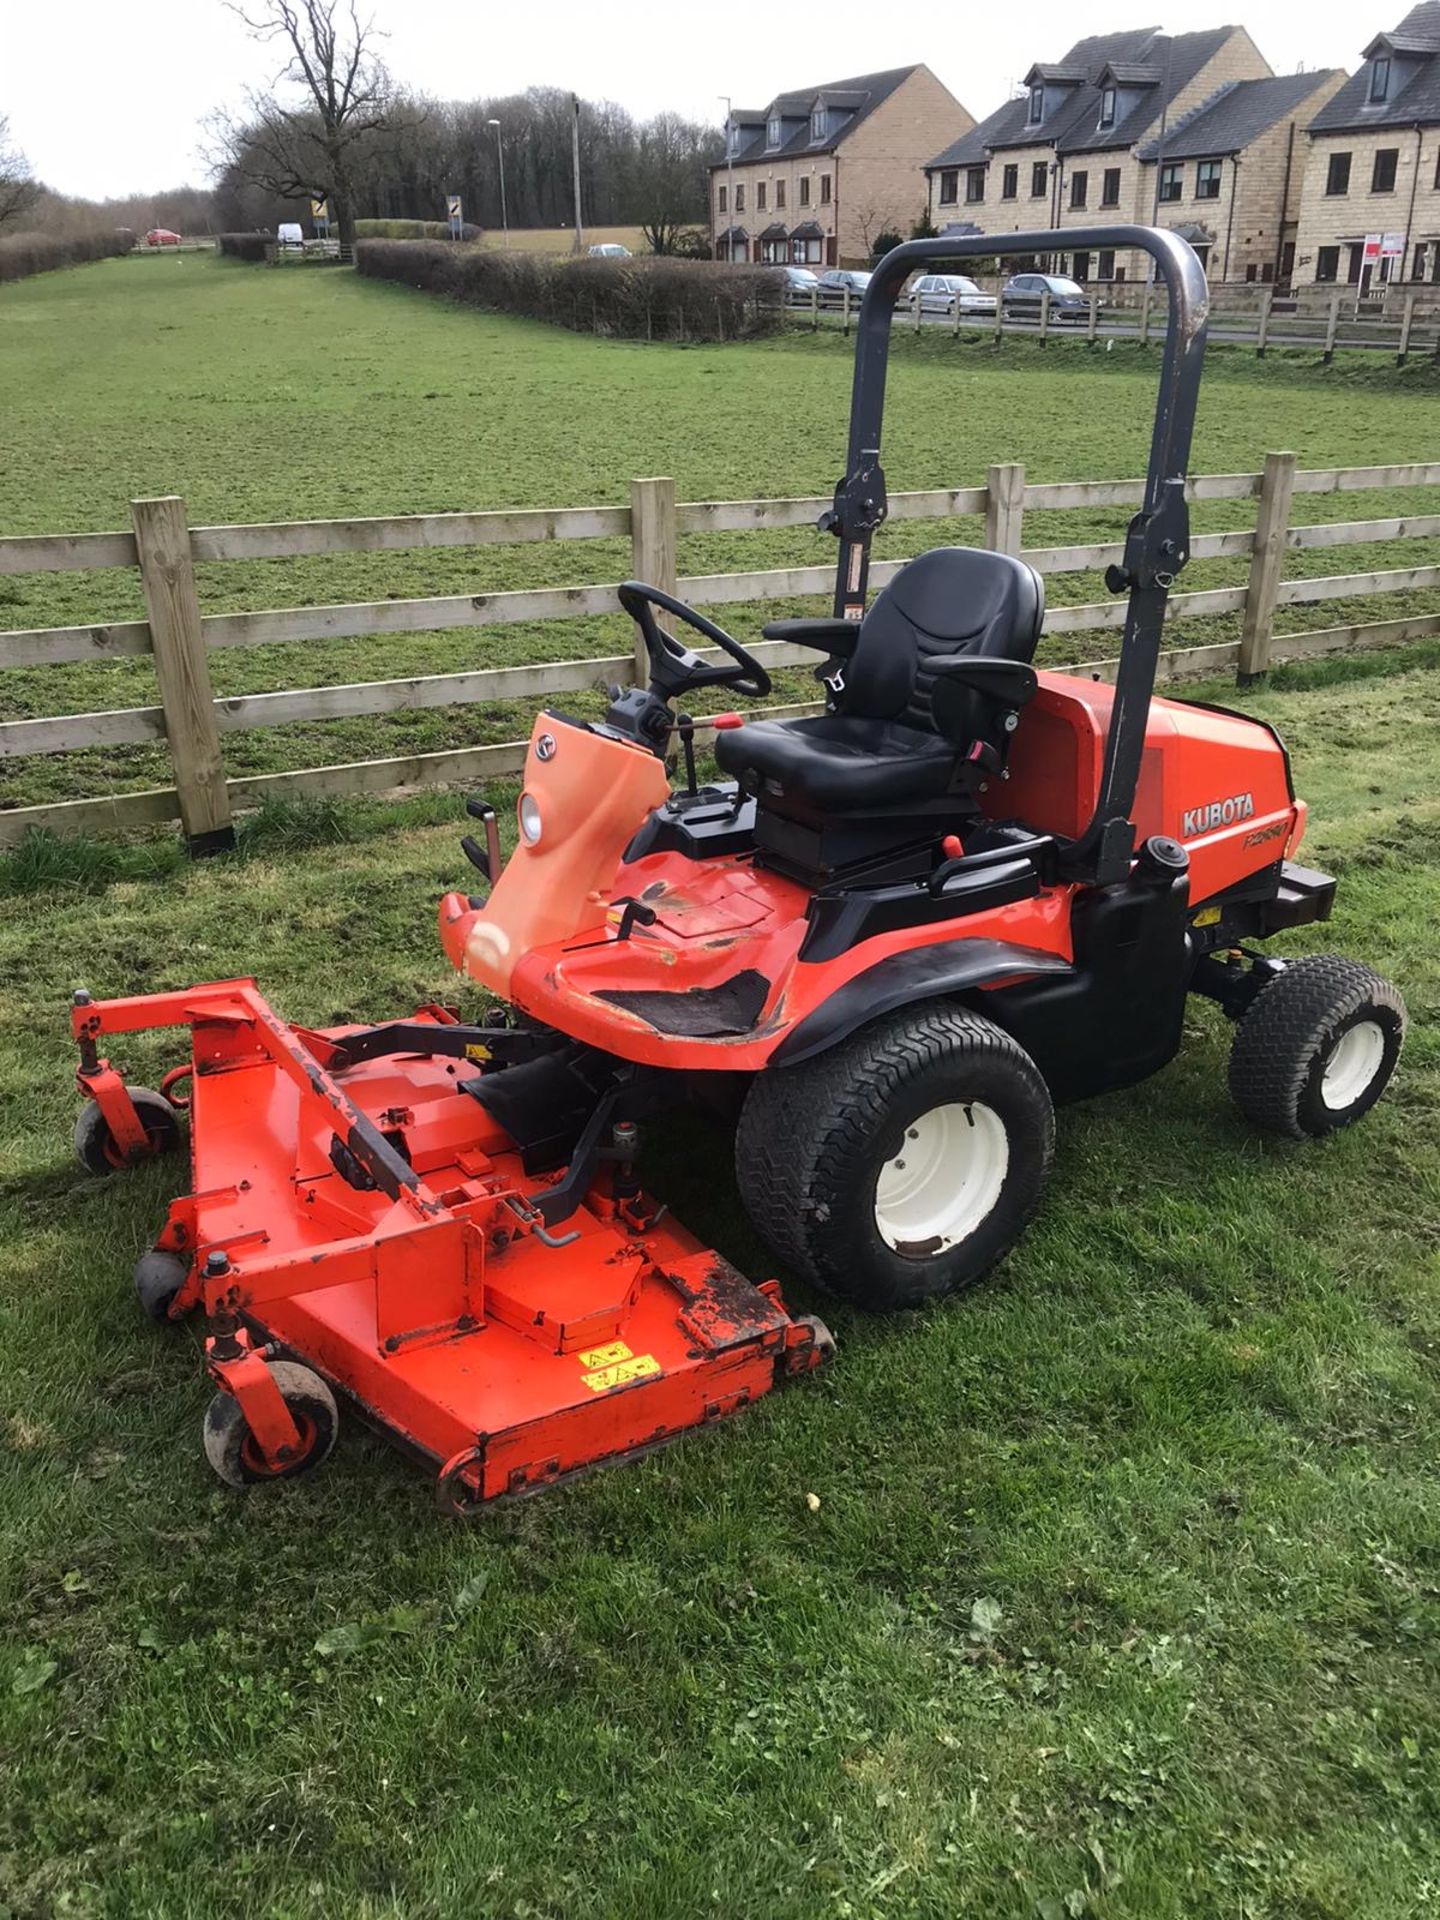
[[1009, 682], [831, 635]]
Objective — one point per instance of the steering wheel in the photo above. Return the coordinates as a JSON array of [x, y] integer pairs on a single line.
[[676, 668]]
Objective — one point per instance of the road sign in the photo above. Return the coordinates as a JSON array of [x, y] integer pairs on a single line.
[[454, 214], [320, 214]]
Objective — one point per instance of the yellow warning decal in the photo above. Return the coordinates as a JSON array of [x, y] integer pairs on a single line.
[[605, 1356], [639, 1367], [1206, 917], [476, 1052]]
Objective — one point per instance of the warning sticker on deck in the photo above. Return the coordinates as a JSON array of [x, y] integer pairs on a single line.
[[638, 1367], [605, 1356]]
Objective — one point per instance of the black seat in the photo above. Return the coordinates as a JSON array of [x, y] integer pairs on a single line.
[[903, 732]]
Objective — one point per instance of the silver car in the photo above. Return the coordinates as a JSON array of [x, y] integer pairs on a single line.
[[950, 293]]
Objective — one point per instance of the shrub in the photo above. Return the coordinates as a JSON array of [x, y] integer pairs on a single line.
[[638, 299], [413, 230], [885, 243], [22, 254], [245, 246]]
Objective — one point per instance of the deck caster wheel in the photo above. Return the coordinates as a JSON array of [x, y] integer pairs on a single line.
[[230, 1446], [903, 1163], [1317, 1046], [159, 1276], [95, 1146]]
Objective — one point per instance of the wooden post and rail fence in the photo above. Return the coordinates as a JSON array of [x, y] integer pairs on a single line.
[[182, 639]]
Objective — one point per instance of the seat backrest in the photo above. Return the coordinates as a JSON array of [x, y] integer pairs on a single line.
[[952, 600]]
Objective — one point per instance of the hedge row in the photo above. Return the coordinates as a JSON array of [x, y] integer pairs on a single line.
[[22, 254], [413, 230], [638, 299], [244, 246]]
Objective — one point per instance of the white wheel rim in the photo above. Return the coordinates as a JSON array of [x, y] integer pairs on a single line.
[[1354, 1061], [944, 1181]]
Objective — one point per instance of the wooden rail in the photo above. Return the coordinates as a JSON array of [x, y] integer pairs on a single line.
[[193, 722]]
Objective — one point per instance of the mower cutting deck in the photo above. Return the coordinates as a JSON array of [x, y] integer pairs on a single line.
[[355, 1203]]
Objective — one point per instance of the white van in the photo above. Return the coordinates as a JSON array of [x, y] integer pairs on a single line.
[[289, 235]]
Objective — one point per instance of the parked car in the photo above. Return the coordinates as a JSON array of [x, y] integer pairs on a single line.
[[1023, 293], [800, 285], [834, 283], [609, 250], [945, 292], [161, 237]]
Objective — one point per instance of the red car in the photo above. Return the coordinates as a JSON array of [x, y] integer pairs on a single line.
[[161, 237]]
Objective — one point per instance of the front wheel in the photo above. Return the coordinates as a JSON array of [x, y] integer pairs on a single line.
[[95, 1146], [901, 1165], [232, 1450], [1317, 1047]]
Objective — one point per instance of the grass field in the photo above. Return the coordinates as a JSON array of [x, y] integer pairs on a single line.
[[267, 396], [1122, 1598]]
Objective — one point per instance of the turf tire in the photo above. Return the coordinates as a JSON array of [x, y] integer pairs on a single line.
[[159, 1276], [230, 1446], [814, 1140], [95, 1146], [1288, 1038]]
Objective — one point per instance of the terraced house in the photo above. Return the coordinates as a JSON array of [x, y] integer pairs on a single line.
[[816, 176], [1190, 130], [1373, 166]]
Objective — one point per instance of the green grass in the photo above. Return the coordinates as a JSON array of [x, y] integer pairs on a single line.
[[1122, 1598], [261, 396]]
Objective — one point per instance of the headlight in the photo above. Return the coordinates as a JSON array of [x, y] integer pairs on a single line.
[[530, 818]]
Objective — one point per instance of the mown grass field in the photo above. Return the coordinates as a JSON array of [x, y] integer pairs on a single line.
[[266, 396], [1122, 1598]]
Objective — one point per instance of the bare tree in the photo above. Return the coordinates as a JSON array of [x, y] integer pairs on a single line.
[[19, 189], [670, 178], [343, 99]]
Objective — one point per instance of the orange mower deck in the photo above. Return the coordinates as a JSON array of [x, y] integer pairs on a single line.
[[372, 1220]]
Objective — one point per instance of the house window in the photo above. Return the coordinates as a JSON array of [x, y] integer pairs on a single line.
[[1202, 254], [779, 196], [1079, 185], [1250, 271], [1037, 107], [772, 133], [1382, 176], [1110, 189], [817, 125], [1417, 270], [1105, 265], [1039, 179], [1437, 170], [1009, 183], [974, 186], [1107, 107], [1171, 182], [739, 199], [949, 186], [760, 193], [1337, 175], [1207, 180], [723, 201], [1080, 267], [1327, 264], [804, 189], [1380, 78], [824, 189]]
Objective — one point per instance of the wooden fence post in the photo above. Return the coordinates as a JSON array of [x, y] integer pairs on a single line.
[[1272, 523], [1045, 318], [1267, 300], [999, 317], [1332, 327], [845, 308], [162, 541], [1005, 508], [1406, 319], [1145, 315], [652, 547], [1094, 316]]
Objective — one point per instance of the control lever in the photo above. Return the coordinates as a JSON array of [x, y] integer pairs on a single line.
[[685, 726], [487, 861]]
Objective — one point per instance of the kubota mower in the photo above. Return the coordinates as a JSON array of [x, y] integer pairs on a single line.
[[889, 939]]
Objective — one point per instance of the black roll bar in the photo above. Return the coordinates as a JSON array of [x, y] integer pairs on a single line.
[[1157, 542]]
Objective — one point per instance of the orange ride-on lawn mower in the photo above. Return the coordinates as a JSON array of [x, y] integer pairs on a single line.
[[890, 940]]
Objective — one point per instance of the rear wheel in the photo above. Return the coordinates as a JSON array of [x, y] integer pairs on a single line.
[[1317, 1047], [901, 1165]]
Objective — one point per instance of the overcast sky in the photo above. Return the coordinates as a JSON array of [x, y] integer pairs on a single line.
[[107, 98]]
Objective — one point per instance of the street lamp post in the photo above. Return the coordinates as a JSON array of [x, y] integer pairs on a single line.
[[500, 149], [729, 182]]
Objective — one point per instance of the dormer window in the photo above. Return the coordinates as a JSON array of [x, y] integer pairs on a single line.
[[1107, 107], [1037, 106], [732, 146], [817, 124], [1380, 78], [772, 131]]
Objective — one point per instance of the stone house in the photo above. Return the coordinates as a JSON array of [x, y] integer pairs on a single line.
[[816, 176]]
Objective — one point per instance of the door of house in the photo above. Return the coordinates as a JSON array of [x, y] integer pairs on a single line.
[[1287, 262], [1081, 268]]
